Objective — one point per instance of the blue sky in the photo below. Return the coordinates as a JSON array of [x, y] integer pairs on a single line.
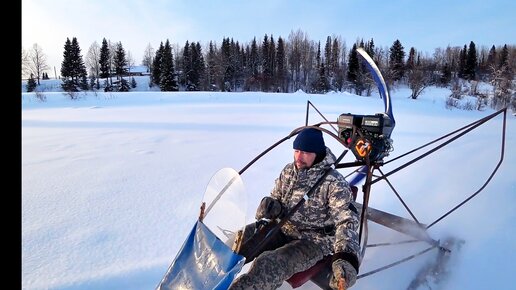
[[424, 25]]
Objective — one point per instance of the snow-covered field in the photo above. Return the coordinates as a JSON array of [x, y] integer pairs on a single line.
[[112, 182]]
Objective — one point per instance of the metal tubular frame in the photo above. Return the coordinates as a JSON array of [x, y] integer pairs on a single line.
[[371, 179]]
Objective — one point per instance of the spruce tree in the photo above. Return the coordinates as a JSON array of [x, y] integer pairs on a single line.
[[186, 67], [316, 82], [397, 60], [198, 66], [120, 63], [411, 61], [462, 62], [124, 85], [328, 54], [228, 70], [67, 63], [353, 66], [446, 75], [471, 62], [491, 61], [272, 60], [72, 68], [321, 85], [156, 66], [281, 69], [254, 60], [504, 57], [104, 59], [79, 68], [369, 48], [31, 84], [266, 64], [212, 75], [167, 78], [505, 67], [336, 72]]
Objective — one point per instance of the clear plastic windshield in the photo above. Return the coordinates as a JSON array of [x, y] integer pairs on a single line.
[[225, 205]]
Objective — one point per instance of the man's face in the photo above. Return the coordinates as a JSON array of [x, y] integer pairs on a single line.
[[304, 159]]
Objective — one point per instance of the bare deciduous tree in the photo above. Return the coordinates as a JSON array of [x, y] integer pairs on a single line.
[[36, 62], [130, 61], [25, 64], [419, 76], [93, 61], [148, 57]]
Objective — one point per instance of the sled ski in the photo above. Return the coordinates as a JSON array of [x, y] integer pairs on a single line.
[[436, 273]]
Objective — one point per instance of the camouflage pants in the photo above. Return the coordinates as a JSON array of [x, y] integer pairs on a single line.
[[271, 268]]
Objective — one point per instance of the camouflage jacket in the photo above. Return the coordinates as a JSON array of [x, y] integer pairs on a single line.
[[329, 207]]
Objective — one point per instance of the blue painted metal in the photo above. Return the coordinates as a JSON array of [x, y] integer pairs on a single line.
[[204, 262], [380, 83]]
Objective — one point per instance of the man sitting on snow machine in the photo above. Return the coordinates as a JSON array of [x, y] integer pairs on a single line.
[[324, 226]]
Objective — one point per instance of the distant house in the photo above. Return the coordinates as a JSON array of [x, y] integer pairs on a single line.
[[138, 70]]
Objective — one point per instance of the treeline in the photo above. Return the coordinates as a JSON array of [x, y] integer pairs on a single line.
[[288, 65]]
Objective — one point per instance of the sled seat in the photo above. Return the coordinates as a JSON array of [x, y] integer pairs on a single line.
[[298, 279], [321, 272]]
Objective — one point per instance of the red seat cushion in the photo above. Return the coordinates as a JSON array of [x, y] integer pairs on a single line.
[[301, 278]]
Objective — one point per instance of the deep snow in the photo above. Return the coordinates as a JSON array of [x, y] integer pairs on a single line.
[[112, 182]]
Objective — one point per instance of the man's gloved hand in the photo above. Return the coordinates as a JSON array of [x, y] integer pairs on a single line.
[[342, 269], [269, 208]]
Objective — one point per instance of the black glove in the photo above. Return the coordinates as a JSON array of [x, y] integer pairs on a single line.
[[343, 269], [269, 208]]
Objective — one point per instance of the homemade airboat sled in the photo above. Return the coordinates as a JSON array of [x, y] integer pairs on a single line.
[[212, 254]]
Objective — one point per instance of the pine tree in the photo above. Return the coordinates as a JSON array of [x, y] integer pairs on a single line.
[[504, 57], [120, 62], [504, 66], [316, 82], [91, 84], [266, 64], [328, 54], [79, 68], [227, 68], [186, 67], [369, 48], [212, 74], [198, 66], [73, 69], [167, 77], [281, 69], [353, 66], [67, 64], [321, 84], [397, 60], [471, 62], [104, 59], [124, 85], [31, 84], [272, 60], [446, 75], [156, 66], [335, 72], [83, 84], [411, 61], [462, 62], [254, 60], [236, 63], [365, 79]]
